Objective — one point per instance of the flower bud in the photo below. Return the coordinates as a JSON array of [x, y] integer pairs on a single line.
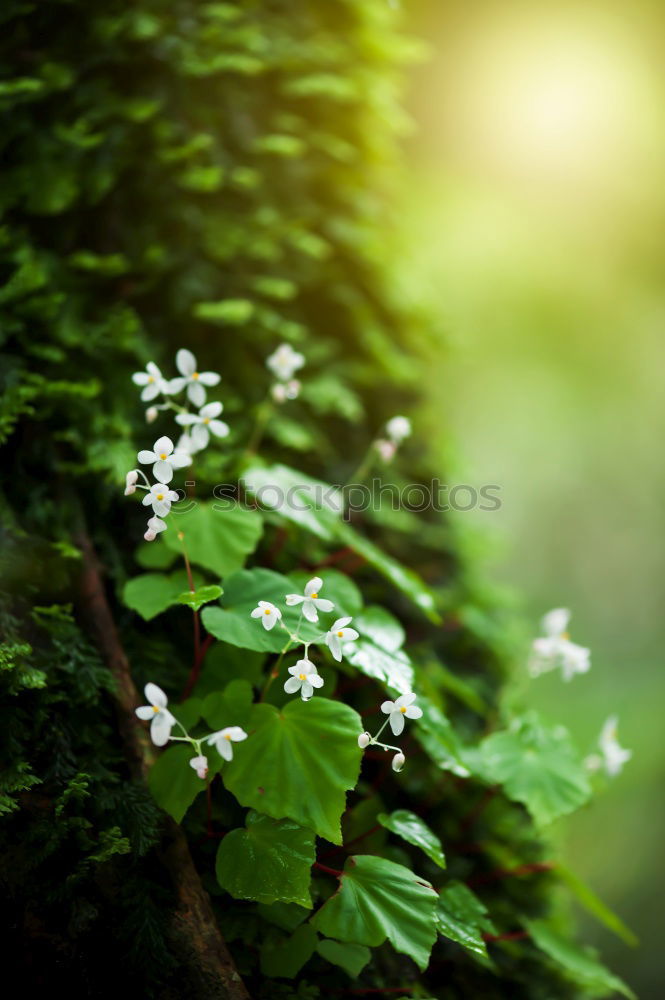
[[151, 414], [363, 740], [150, 535], [398, 428], [130, 482], [398, 761], [278, 393], [200, 765], [386, 449], [292, 389]]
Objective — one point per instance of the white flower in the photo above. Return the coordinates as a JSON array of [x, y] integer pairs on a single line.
[[165, 459], [310, 600], [285, 362], [152, 381], [130, 482], [614, 756], [223, 738], [386, 449], [304, 678], [338, 634], [160, 497], [268, 614], [398, 762], [398, 428], [193, 379], [364, 740], [555, 648], [162, 722], [399, 709], [151, 414], [282, 391], [155, 525], [203, 423], [200, 765]]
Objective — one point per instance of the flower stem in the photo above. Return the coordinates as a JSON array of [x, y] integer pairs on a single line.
[[275, 671]]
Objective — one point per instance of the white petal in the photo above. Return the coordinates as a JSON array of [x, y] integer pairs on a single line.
[[200, 436], [292, 685], [146, 456], [413, 712], [156, 524], [306, 691], [225, 748], [153, 370], [314, 586], [155, 696], [556, 621], [388, 707], [334, 647], [292, 599], [269, 621], [322, 604], [196, 393], [348, 634], [145, 712], [406, 699], [340, 623], [147, 499], [163, 446], [237, 734], [209, 378], [160, 729], [140, 378], [185, 361], [176, 385], [309, 611], [163, 471], [211, 410], [161, 507], [185, 419], [257, 612], [316, 680], [180, 459], [397, 722], [219, 428], [150, 391]]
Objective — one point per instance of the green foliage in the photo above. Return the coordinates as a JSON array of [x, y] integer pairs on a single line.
[[462, 918], [217, 537], [299, 763], [378, 899], [269, 861], [579, 963], [411, 828]]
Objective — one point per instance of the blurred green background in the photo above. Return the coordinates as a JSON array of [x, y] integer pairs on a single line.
[[534, 216]]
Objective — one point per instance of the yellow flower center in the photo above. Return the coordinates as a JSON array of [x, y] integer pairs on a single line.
[[340, 634], [195, 375], [267, 611], [155, 709], [302, 677], [160, 496], [402, 710], [227, 736], [206, 420], [151, 378], [313, 596], [565, 635], [163, 456]]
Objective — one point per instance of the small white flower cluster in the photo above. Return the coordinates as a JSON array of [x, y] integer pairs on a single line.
[[304, 675], [397, 711], [284, 363], [162, 721], [612, 755], [397, 430], [555, 649], [165, 456]]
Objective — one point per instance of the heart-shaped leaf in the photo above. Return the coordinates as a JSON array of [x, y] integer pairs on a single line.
[[411, 828], [174, 784], [195, 599], [351, 957], [151, 593], [378, 899], [269, 861], [377, 652], [299, 763], [218, 536]]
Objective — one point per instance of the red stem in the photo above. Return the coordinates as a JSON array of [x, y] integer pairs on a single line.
[[328, 871], [513, 936]]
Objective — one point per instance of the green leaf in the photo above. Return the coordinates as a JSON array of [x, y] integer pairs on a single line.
[[378, 899], [309, 503], [242, 592], [439, 740], [223, 663], [299, 763], [461, 917], [285, 957], [377, 652], [173, 783], [218, 536], [195, 599], [270, 861], [152, 593], [587, 898], [537, 766], [230, 707], [411, 828], [581, 964], [286, 916], [351, 957], [155, 555]]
